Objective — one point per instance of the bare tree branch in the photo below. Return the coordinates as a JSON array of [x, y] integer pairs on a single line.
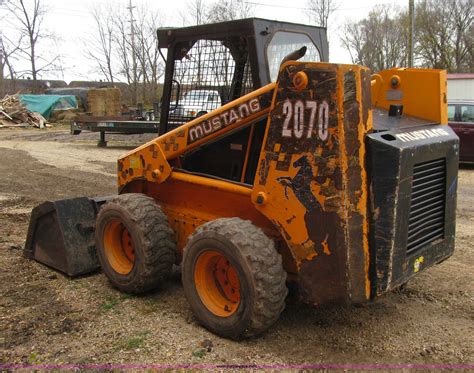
[[100, 47], [321, 10], [378, 41], [228, 10], [28, 17]]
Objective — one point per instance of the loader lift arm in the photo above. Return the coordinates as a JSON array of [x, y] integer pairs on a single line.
[[151, 161]]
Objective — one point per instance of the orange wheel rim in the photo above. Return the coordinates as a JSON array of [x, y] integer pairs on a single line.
[[217, 283], [118, 247]]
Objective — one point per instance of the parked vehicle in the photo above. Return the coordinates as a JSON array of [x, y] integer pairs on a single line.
[[195, 103], [461, 120]]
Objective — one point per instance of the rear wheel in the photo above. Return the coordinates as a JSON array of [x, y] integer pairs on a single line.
[[233, 278], [134, 242]]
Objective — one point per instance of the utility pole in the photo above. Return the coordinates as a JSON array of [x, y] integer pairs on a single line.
[[2, 60], [411, 31], [134, 54], [2, 66]]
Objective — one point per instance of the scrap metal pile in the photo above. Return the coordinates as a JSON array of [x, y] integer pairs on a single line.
[[14, 114]]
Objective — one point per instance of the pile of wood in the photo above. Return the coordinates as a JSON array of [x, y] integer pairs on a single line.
[[14, 114], [104, 102]]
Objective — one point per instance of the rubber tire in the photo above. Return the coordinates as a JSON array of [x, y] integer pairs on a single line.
[[152, 239], [262, 277]]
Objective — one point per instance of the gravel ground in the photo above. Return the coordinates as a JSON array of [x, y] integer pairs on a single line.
[[48, 318]]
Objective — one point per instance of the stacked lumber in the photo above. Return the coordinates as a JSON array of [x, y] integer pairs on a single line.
[[14, 114], [104, 102]]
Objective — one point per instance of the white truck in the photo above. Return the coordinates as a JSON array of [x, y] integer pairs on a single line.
[[195, 103]]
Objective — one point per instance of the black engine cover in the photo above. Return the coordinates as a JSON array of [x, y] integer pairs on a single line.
[[413, 185]]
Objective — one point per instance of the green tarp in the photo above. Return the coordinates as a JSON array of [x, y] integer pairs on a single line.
[[45, 104]]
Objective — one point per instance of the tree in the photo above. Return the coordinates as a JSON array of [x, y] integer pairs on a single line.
[[101, 50], [195, 13], [148, 54], [321, 10], [228, 10], [122, 50], [28, 17], [7, 54], [444, 34], [378, 41]]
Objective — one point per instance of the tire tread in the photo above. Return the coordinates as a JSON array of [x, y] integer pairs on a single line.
[[265, 265], [158, 243]]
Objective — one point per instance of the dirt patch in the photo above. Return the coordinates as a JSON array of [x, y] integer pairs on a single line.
[[49, 318]]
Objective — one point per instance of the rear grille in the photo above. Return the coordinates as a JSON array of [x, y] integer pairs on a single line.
[[428, 200]]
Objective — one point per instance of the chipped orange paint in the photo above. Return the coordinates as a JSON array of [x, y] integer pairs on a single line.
[[326, 247]]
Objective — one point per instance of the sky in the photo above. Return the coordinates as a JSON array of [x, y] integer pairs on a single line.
[[72, 22]]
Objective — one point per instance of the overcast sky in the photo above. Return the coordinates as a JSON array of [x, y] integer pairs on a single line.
[[72, 22]]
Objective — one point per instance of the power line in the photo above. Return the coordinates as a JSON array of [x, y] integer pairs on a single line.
[[307, 8], [134, 56]]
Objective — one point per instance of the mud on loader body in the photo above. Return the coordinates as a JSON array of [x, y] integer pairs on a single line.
[[348, 193]]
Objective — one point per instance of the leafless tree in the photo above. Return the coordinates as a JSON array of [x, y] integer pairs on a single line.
[[148, 55], [100, 48], [228, 10], [124, 52], [444, 34], [195, 13], [378, 41], [7, 54], [321, 10], [127, 51], [28, 17]]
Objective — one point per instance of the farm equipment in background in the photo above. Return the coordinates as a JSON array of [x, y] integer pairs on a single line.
[[331, 179]]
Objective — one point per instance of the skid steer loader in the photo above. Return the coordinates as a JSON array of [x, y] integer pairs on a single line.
[[331, 179]]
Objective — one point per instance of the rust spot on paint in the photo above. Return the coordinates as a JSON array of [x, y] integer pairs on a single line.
[[311, 256], [326, 247]]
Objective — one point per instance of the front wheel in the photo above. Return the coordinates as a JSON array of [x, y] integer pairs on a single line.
[[233, 278], [134, 242]]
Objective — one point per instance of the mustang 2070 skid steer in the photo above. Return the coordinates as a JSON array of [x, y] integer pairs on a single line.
[[337, 181]]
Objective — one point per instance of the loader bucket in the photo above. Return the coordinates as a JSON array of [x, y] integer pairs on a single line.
[[61, 235]]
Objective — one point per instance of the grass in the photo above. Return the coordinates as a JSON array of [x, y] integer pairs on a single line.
[[109, 304], [112, 301], [34, 359], [133, 342], [200, 353]]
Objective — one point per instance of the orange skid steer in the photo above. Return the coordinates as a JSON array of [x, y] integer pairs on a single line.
[[349, 192]]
